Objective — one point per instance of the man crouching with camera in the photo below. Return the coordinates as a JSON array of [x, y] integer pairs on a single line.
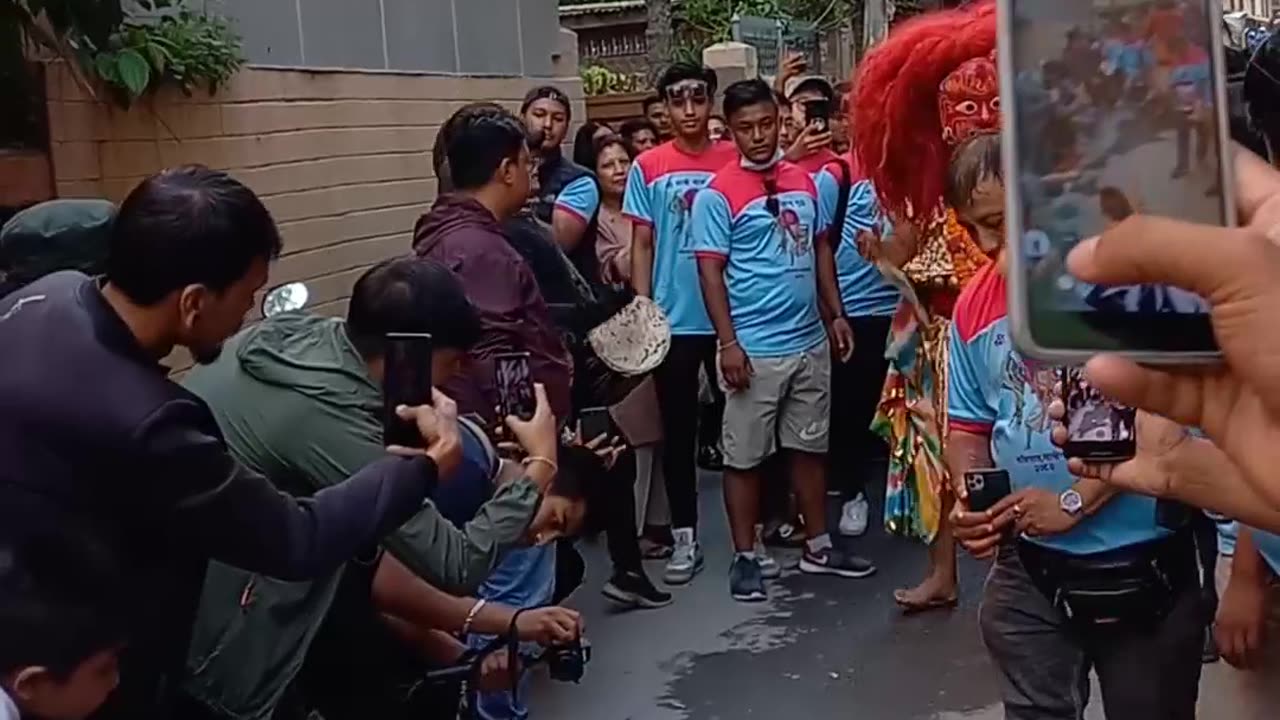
[[1085, 578]]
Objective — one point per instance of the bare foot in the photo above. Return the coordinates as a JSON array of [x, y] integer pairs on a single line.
[[934, 593]]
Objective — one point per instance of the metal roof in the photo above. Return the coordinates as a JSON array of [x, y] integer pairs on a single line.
[[600, 8]]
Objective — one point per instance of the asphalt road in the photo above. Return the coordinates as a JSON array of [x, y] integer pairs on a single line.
[[819, 648]]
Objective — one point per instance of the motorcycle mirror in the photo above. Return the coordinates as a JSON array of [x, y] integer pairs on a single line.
[[285, 298]]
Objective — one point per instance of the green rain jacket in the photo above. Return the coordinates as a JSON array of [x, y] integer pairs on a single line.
[[296, 403]]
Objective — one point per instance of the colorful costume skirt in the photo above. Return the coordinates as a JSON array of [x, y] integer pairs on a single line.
[[912, 416]]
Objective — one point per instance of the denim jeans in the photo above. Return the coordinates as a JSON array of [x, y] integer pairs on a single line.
[[1044, 662], [524, 579]]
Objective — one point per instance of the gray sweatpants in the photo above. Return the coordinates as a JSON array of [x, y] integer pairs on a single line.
[[1044, 663]]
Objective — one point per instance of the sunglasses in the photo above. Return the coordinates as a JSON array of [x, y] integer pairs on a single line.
[[685, 92], [771, 200]]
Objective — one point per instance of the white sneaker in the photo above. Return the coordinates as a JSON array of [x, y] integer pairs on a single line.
[[686, 558], [853, 517], [769, 567]]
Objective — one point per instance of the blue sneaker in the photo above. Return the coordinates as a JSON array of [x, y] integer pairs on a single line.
[[746, 583]]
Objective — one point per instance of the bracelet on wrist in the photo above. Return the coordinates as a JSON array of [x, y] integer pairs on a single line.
[[471, 615], [725, 346], [538, 459]]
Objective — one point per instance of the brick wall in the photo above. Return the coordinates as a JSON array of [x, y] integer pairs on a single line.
[[342, 159]]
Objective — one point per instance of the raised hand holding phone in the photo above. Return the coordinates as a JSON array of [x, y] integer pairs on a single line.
[[437, 428], [812, 138], [513, 379], [538, 437], [406, 381]]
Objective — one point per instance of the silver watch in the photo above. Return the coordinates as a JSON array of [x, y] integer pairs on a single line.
[[1071, 502]]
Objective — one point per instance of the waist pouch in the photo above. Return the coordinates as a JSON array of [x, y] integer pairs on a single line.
[[1136, 585]]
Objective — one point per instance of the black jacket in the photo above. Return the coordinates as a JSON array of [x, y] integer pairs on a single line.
[[95, 436]]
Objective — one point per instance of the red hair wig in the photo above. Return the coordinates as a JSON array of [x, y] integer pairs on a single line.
[[897, 129]]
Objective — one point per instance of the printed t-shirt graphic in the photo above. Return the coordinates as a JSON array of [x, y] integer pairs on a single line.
[[992, 389], [581, 198], [661, 189], [863, 289], [770, 272]]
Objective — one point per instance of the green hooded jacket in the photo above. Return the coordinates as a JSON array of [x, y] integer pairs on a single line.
[[295, 402]]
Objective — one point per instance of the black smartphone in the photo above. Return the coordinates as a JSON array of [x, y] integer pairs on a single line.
[[818, 112], [595, 422], [1133, 136], [406, 380], [1099, 429], [986, 488], [514, 382]]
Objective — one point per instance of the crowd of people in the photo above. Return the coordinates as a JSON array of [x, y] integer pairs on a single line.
[[826, 312]]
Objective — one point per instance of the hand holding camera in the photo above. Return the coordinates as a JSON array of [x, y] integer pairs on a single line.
[[549, 626]]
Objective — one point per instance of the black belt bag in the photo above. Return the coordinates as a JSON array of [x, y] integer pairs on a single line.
[[1133, 585]]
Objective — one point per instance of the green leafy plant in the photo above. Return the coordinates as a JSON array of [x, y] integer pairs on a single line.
[[131, 54], [599, 80], [189, 50]]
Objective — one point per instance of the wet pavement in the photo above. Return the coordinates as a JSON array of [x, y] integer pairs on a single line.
[[820, 648]]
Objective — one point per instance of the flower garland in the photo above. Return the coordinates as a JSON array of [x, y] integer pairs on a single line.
[[949, 257], [966, 257]]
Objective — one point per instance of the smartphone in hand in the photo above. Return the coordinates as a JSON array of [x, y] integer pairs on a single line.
[[406, 380], [1099, 429], [986, 488], [817, 113], [514, 382], [594, 422], [1101, 124]]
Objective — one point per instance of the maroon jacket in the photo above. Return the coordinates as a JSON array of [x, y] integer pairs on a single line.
[[463, 235]]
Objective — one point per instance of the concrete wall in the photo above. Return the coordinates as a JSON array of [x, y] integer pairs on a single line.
[[504, 37], [342, 159]]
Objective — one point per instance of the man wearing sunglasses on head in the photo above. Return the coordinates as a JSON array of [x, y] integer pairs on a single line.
[[659, 200], [768, 278]]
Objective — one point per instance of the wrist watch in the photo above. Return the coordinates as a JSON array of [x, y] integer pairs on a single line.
[[1071, 502]]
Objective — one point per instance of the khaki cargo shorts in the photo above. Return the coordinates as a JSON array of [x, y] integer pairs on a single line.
[[787, 405]]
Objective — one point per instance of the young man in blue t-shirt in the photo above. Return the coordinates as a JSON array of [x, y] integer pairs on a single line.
[[659, 200], [857, 453], [1085, 578], [768, 280]]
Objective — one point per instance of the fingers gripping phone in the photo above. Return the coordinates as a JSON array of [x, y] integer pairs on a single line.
[[406, 380], [986, 488], [594, 422], [1099, 430], [514, 382], [818, 113], [1111, 109]]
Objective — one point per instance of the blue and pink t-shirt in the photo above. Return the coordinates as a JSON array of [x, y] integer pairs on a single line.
[[863, 289], [770, 271], [660, 193], [992, 390], [580, 198]]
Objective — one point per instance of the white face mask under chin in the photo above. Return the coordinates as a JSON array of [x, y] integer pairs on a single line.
[[748, 164]]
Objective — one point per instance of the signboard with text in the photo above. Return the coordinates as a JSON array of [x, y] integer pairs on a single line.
[[763, 34], [772, 37]]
